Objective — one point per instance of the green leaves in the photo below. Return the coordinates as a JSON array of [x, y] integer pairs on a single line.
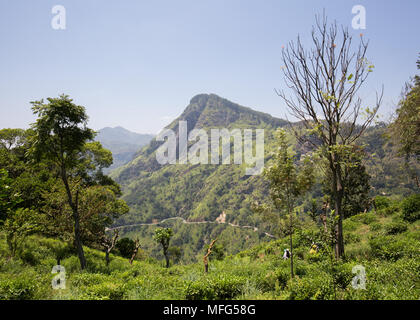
[[60, 130], [288, 178], [18, 226], [163, 236]]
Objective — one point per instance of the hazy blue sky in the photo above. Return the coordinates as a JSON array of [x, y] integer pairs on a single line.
[[138, 63]]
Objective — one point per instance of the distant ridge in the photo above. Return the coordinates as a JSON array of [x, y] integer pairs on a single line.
[[122, 143]]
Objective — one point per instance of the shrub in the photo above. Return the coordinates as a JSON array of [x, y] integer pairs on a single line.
[[382, 202], [103, 291], [221, 287], [25, 286], [367, 218], [375, 226], [349, 225], [28, 257], [87, 279], [389, 280], [273, 279], [411, 208], [342, 275], [396, 227], [392, 247], [351, 238], [388, 211], [319, 287], [125, 246]]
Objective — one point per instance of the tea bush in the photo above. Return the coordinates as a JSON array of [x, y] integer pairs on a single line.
[[396, 227], [411, 208], [220, 287], [317, 287], [24, 286], [382, 202]]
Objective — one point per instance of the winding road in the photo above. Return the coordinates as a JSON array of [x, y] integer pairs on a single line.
[[255, 229]]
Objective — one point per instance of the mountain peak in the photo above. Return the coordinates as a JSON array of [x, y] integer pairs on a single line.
[[211, 110], [203, 98]]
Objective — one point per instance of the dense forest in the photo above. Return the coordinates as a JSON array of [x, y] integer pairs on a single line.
[[339, 190]]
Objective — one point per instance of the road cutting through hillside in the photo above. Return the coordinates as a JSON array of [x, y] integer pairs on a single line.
[[255, 229]]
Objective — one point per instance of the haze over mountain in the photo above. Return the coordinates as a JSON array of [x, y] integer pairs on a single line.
[[207, 194], [122, 143]]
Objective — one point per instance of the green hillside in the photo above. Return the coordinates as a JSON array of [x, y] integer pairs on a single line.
[[201, 193], [382, 242]]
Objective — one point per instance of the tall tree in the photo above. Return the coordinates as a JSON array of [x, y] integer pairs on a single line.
[[61, 133], [405, 130], [324, 82], [288, 181]]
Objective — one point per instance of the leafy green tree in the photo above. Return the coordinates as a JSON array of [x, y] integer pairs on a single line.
[[125, 247], [98, 206], [405, 130], [288, 181], [60, 135], [163, 236], [18, 226], [30, 179]]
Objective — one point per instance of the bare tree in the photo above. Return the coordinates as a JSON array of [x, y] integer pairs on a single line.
[[109, 244], [324, 82], [136, 249], [205, 259]]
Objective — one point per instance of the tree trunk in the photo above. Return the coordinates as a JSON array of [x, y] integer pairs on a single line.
[[166, 258], [107, 257], [77, 233], [78, 241], [291, 255], [337, 194], [339, 245]]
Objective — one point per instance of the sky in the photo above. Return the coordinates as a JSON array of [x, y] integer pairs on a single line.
[[137, 64]]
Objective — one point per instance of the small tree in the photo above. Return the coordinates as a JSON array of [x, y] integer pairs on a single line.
[[109, 244], [125, 246], [20, 224], [163, 236], [288, 181], [206, 256], [135, 250]]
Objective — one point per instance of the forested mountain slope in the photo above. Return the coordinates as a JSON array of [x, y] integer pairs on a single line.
[[202, 193]]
